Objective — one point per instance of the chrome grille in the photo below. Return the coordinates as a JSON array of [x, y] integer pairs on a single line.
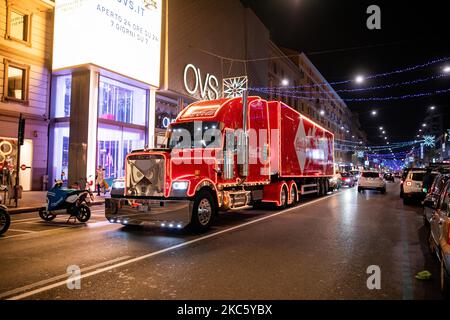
[[145, 175]]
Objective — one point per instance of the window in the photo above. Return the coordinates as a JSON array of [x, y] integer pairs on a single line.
[[16, 81], [121, 102], [62, 96], [18, 25]]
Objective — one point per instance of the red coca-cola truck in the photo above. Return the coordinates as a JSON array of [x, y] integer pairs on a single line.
[[221, 155]]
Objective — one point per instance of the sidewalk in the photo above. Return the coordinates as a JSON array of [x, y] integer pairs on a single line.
[[33, 200]]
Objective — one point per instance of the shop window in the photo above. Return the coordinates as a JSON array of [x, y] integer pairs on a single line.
[[114, 143], [60, 161], [121, 102], [18, 25], [62, 96], [16, 82]]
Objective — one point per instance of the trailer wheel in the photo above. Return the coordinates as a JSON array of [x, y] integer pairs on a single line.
[[283, 198], [203, 212], [294, 194]]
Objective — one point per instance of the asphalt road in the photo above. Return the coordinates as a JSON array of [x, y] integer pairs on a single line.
[[320, 249]]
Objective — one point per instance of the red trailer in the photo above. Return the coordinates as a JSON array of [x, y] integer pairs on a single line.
[[224, 154]]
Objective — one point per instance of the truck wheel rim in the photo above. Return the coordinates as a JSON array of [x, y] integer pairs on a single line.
[[283, 197], [204, 212], [293, 195]]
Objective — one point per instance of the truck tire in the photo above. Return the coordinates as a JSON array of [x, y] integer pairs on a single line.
[[203, 212], [294, 195], [284, 198], [327, 186]]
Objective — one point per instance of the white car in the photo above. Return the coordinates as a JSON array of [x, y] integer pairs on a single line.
[[413, 186], [371, 180]]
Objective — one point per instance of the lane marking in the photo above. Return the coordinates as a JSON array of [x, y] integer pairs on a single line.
[[184, 244], [20, 230], [63, 276], [54, 230]]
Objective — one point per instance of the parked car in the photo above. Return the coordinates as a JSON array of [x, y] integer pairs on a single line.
[[402, 180], [356, 175], [432, 197], [335, 181], [389, 177], [347, 180], [371, 180], [439, 239], [414, 187]]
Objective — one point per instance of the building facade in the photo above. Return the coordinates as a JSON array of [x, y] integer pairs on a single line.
[[25, 71], [97, 80]]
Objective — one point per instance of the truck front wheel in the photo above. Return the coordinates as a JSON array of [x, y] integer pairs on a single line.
[[203, 212]]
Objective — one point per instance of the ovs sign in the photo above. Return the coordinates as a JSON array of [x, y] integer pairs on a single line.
[[195, 84]]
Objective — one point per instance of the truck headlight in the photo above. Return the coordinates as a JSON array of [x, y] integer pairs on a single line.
[[118, 185], [180, 185]]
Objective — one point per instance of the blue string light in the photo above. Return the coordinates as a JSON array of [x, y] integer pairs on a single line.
[[387, 86], [380, 75], [402, 97]]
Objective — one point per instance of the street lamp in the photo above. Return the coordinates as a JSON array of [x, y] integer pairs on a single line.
[[424, 125], [447, 69], [433, 108], [322, 112], [359, 79], [285, 82], [374, 113], [381, 128]]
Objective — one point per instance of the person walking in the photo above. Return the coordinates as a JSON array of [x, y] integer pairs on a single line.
[[100, 179]]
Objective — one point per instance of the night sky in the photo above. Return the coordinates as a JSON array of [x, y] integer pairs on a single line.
[[334, 35]]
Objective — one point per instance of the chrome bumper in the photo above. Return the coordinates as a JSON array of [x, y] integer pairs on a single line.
[[174, 214]]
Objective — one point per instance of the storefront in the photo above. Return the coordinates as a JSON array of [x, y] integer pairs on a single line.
[[103, 95]]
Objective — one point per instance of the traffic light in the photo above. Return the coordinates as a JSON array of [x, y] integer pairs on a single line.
[[21, 133]]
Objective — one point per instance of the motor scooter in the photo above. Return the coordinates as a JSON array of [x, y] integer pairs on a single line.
[[5, 220], [66, 201]]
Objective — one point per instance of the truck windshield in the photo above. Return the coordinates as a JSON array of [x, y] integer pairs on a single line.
[[196, 134]]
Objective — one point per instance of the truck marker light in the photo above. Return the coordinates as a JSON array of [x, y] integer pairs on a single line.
[[409, 183]]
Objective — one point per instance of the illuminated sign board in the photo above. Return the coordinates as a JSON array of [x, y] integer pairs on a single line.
[[123, 36], [206, 87]]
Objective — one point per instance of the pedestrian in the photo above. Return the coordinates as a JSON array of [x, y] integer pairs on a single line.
[[99, 179]]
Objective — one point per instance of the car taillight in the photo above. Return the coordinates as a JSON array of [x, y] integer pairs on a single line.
[[409, 183]]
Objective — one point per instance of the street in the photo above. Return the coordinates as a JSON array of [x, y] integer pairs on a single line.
[[320, 249]]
